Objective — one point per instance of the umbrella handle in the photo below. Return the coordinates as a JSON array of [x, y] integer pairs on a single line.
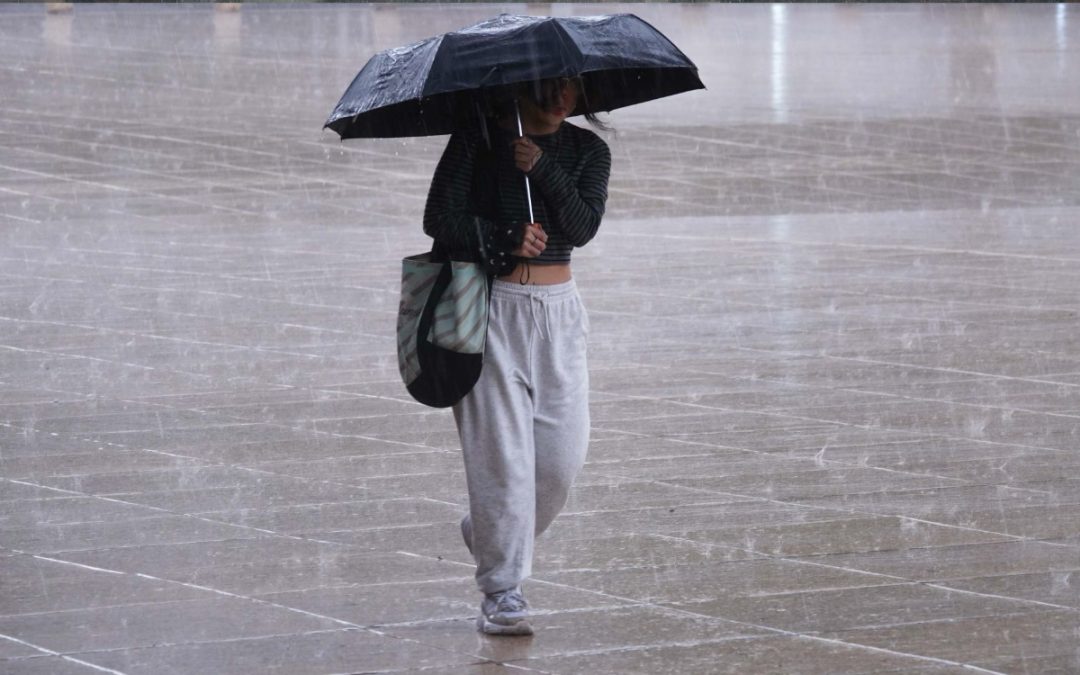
[[528, 190]]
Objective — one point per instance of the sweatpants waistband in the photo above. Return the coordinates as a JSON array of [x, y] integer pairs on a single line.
[[545, 292]]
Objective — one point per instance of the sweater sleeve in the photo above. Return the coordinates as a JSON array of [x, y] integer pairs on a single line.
[[578, 206], [450, 218]]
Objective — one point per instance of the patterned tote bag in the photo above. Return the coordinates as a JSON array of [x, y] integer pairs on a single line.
[[441, 328]]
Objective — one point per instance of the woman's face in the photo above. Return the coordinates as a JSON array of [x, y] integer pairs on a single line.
[[559, 95], [557, 98]]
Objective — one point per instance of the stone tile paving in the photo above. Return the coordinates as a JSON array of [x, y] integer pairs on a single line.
[[834, 354]]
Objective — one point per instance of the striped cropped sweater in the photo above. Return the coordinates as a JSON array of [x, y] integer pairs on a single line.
[[477, 210]]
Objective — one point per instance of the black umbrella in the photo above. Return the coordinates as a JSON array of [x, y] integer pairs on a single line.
[[433, 87]]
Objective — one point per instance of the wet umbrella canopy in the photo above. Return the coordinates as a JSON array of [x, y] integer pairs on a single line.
[[434, 86]]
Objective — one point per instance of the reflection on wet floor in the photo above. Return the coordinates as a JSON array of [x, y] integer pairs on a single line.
[[834, 353]]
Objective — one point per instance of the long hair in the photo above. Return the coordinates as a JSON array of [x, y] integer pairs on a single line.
[[591, 116], [499, 102]]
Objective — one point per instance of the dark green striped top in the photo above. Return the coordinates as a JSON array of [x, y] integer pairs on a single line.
[[466, 209]]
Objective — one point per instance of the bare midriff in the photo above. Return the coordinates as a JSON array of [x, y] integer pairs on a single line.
[[541, 275]]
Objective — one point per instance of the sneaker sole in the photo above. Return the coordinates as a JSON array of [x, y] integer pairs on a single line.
[[522, 627]]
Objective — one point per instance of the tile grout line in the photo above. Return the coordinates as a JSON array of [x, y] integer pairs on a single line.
[[50, 652]]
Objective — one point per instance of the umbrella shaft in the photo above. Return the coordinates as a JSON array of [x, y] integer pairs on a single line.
[[528, 190]]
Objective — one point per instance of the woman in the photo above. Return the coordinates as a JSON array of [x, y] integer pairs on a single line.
[[524, 427]]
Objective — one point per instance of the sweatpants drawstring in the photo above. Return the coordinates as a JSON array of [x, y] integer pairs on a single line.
[[537, 302], [541, 299]]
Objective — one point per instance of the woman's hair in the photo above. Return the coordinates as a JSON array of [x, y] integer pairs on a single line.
[[500, 102], [591, 116]]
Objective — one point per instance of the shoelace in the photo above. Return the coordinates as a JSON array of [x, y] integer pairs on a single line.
[[510, 601]]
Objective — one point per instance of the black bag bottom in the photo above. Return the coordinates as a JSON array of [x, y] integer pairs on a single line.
[[445, 376]]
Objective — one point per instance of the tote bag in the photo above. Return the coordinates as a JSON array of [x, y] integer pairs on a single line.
[[441, 328]]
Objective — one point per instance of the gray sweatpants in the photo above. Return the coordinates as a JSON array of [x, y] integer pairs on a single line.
[[524, 427]]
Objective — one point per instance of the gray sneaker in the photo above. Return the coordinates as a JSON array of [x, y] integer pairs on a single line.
[[504, 613]]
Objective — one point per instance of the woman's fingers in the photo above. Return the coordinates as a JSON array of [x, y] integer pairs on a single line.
[[535, 237], [530, 250], [526, 153], [523, 144], [535, 231], [533, 242]]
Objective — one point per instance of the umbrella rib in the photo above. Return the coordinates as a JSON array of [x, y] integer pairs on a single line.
[[666, 39], [567, 41], [427, 69]]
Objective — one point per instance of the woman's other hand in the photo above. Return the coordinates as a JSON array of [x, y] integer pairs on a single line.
[[533, 243], [526, 153]]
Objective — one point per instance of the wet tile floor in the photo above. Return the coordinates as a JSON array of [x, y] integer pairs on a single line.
[[835, 354]]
